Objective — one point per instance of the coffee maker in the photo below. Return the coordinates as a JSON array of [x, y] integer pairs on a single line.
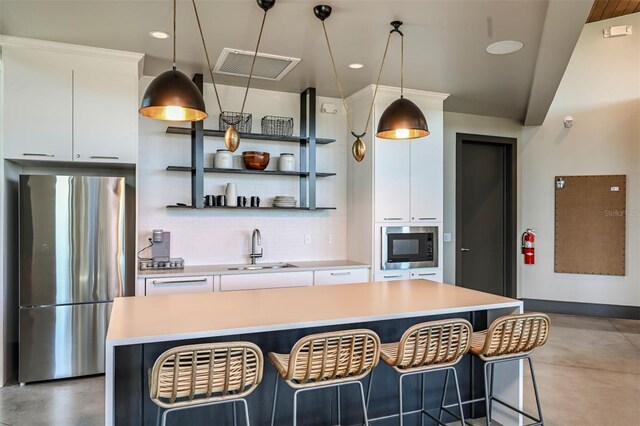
[[161, 253]]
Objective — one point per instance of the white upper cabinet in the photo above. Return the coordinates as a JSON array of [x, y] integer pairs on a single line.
[[105, 117], [427, 192], [37, 108], [69, 103], [392, 180]]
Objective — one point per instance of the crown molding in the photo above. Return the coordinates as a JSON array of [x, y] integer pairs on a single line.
[[52, 46]]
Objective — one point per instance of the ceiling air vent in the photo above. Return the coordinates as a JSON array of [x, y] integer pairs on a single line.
[[267, 67]]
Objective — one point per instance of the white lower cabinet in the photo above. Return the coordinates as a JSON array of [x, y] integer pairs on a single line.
[[427, 274], [178, 285], [266, 280], [393, 276], [341, 276]]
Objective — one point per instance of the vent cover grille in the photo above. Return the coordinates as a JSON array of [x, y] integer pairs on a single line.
[[267, 67]]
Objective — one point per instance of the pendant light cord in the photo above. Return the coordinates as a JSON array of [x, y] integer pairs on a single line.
[[344, 102], [401, 65], [206, 53], [174, 33]]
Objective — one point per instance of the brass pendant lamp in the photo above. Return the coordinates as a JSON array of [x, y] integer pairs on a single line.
[[402, 119], [172, 96]]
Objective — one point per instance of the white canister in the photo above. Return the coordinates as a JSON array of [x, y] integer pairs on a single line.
[[231, 193], [286, 162], [223, 159]]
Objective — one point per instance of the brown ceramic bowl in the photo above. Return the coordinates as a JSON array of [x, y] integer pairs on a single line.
[[255, 160]]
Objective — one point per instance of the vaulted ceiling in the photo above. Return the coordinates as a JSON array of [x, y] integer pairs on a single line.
[[444, 45]]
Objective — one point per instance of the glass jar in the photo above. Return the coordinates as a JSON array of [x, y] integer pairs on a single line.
[[286, 162], [223, 159]]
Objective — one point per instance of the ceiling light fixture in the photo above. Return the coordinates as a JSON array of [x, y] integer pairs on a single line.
[[231, 136], [504, 47], [402, 119], [356, 66], [172, 96], [359, 148], [161, 35]]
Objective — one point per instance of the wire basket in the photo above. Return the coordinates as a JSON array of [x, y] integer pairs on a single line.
[[277, 126], [242, 122]]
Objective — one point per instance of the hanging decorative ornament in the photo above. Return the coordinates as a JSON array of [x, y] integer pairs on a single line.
[[231, 136], [232, 139], [359, 148]]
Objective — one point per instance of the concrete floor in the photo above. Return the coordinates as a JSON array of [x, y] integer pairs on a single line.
[[588, 374]]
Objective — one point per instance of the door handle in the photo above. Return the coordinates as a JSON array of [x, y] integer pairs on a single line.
[[179, 281], [103, 157], [36, 154], [465, 249], [336, 274]]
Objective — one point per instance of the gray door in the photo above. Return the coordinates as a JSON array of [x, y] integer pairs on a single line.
[[72, 234], [485, 217], [62, 341]]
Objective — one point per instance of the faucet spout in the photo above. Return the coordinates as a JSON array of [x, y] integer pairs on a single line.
[[256, 241]]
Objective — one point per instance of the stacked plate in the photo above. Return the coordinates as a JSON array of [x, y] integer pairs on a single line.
[[284, 201]]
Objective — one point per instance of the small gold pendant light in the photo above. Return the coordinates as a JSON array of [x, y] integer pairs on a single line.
[[172, 96], [232, 139]]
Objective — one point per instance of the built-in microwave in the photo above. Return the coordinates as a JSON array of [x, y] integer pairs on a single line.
[[407, 247]]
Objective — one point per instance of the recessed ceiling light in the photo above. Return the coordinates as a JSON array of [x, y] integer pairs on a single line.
[[356, 66], [504, 47], [162, 35]]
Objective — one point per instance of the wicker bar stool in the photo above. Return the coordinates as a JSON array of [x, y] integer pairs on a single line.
[[426, 348], [509, 338], [206, 374], [326, 360]]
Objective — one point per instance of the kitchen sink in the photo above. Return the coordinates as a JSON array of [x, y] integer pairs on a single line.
[[260, 267]]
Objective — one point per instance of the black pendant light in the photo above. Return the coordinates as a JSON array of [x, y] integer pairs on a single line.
[[402, 119], [172, 96]]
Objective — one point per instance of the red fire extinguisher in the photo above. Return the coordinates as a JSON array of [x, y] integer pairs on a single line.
[[528, 249]]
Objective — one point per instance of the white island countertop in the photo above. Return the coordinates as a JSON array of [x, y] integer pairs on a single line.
[[302, 266], [138, 320]]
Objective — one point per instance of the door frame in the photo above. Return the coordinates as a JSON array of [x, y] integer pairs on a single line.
[[511, 202]]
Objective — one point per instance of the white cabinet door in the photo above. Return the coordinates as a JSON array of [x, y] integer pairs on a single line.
[[427, 173], [427, 274], [341, 276], [37, 105], [266, 280], [392, 180], [177, 285], [393, 276], [105, 117]]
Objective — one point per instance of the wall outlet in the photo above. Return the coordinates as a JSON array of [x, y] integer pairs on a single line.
[[447, 237], [329, 239], [307, 238]]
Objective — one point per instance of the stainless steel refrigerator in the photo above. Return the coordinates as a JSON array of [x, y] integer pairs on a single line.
[[72, 265]]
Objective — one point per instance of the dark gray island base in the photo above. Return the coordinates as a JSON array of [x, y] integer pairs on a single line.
[[128, 384]]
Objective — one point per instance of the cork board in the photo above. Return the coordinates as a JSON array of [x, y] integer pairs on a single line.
[[590, 224]]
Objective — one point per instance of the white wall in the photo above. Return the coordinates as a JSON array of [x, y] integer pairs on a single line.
[[601, 90], [223, 236], [480, 125]]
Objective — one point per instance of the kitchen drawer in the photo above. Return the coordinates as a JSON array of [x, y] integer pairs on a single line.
[[341, 276], [266, 280], [393, 276], [177, 285], [427, 274]]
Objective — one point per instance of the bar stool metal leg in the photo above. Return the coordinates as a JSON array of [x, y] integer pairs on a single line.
[[455, 379], [422, 398], [535, 390], [338, 401], [400, 399], [369, 387], [275, 401], [246, 411], [487, 399], [444, 394]]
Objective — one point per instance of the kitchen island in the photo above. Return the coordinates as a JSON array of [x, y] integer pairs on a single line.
[[141, 328]]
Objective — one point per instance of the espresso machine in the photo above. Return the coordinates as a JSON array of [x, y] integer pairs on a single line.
[[161, 253]]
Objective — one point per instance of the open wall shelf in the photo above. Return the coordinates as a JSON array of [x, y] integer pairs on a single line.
[[248, 171], [175, 206], [307, 143], [253, 136]]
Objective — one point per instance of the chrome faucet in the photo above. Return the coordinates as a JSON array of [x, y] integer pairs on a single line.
[[256, 241]]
